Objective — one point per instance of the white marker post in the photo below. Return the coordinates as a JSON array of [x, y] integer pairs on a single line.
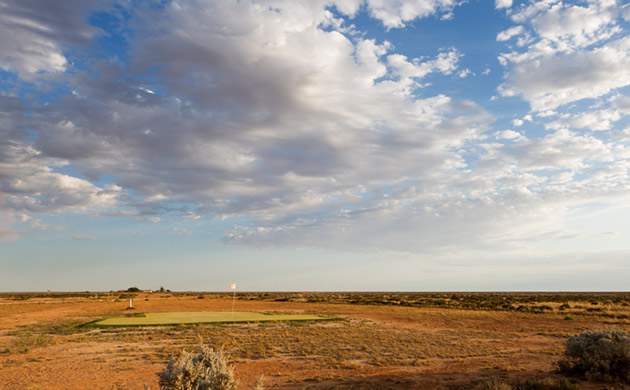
[[131, 303], [233, 287]]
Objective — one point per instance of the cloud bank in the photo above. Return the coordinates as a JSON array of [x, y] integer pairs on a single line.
[[286, 115]]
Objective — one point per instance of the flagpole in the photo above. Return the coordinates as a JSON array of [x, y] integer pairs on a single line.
[[233, 302]]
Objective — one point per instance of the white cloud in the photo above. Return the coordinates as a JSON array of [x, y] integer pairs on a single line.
[[598, 120], [300, 119], [574, 25], [556, 80], [498, 4], [545, 114], [396, 13], [509, 33], [445, 63], [562, 149], [31, 185], [265, 115], [32, 38], [464, 73], [560, 63], [508, 134], [322, 137], [622, 103]]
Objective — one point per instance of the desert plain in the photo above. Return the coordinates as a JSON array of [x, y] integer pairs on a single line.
[[441, 341]]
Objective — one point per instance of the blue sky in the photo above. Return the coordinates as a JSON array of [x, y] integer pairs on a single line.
[[427, 145]]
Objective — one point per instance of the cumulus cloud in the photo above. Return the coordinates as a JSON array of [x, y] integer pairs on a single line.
[[265, 116], [622, 103], [464, 73], [509, 33], [31, 184], [561, 64], [397, 13], [272, 113], [561, 149], [508, 134], [552, 81], [498, 4], [316, 135], [445, 63], [34, 35], [597, 120]]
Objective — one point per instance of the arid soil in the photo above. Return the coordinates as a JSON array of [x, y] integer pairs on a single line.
[[44, 346]]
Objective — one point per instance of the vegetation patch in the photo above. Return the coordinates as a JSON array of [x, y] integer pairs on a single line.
[[206, 369], [600, 355], [530, 384]]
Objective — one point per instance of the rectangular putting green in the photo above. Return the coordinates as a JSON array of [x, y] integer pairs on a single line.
[[203, 317]]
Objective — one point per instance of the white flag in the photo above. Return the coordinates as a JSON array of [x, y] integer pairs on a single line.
[[233, 286]]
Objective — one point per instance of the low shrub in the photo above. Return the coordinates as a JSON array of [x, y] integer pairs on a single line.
[[601, 355], [530, 384], [545, 384], [206, 369], [493, 384]]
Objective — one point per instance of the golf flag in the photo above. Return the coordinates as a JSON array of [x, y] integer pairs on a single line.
[[233, 286]]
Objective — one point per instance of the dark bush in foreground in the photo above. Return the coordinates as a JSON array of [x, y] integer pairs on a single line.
[[206, 369], [602, 355]]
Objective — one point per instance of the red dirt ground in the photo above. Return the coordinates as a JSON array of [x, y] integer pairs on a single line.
[[461, 347]]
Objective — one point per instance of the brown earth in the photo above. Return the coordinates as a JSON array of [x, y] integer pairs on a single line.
[[43, 347]]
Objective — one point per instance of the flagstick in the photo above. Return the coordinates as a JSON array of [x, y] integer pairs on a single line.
[[233, 301]]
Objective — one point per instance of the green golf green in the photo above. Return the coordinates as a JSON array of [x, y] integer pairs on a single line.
[[203, 317]]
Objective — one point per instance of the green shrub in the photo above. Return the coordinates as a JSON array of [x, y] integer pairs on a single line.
[[602, 355]]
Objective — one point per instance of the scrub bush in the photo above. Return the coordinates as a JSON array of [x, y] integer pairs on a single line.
[[545, 384], [601, 355], [530, 384], [206, 369], [493, 384]]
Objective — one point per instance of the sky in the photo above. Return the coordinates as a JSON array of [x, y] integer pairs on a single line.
[[340, 145]]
